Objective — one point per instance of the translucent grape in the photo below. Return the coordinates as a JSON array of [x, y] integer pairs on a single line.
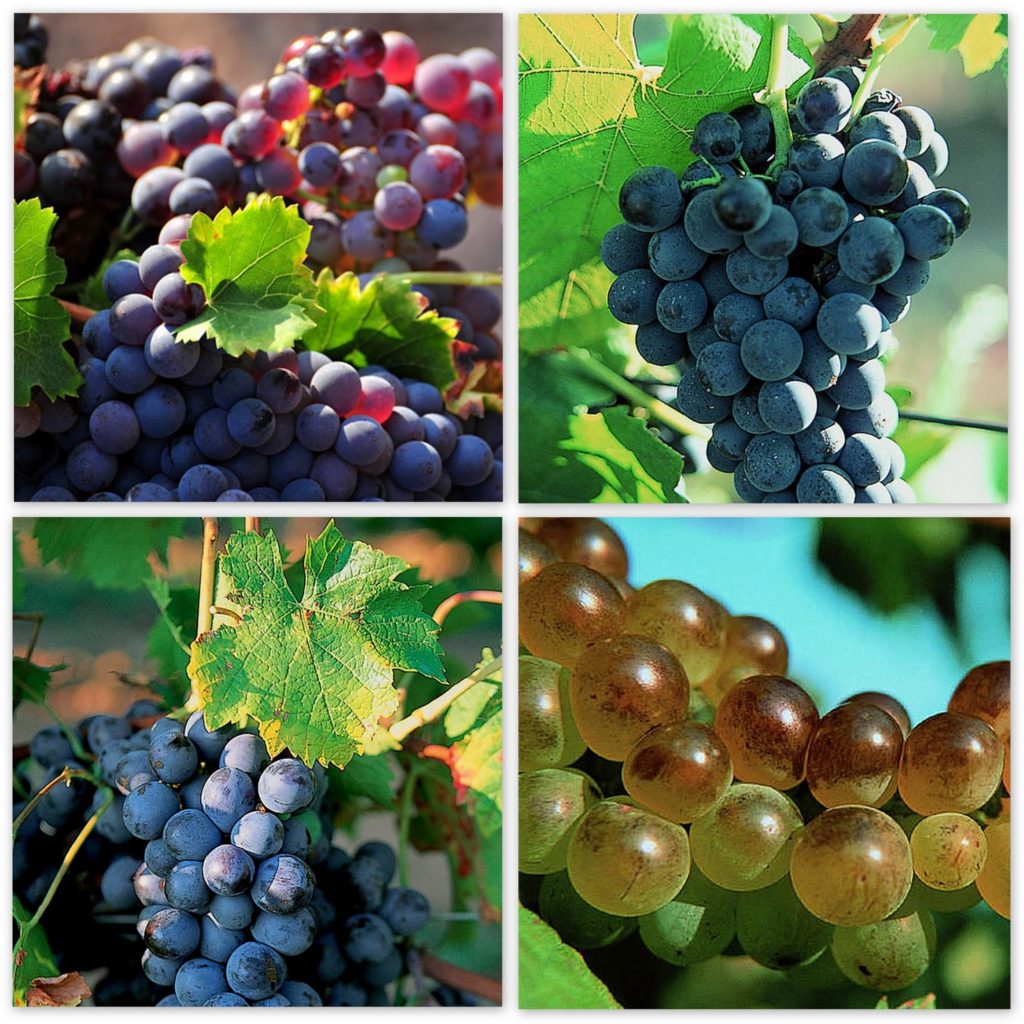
[[985, 693], [550, 803], [548, 737], [852, 866], [994, 879], [564, 608], [886, 703], [776, 929], [744, 842], [626, 861], [766, 722], [951, 762], [623, 687], [679, 770], [588, 542], [854, 755], [578, 923], [752, 647], [698, 924], [949, 850], [534, 555], [887, 955], [687, 621]]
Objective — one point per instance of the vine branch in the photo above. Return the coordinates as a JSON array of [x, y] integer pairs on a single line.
[[449, 604], [207, 571], [37, 619], [852, 43], [459, 978]]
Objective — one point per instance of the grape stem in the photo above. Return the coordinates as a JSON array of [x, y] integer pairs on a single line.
[[878, 55], [252, 524], [450, 603], [657, 409], [773, 96], [948, 421], [64, 777], [432, 710], [459, 978], [455, 277], [405, 808], [37, 619], [207, 572]]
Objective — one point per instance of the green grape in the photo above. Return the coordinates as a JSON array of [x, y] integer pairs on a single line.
[[578, 923], [994, 880], [679, 770], [534, 555], [851, 866], [949, 850], [697, 925], [548, 737], [887, 955], [551, 801], [777, 930], [620, 688], [626, 861], [949, 901], [687, 621], [744, 842], [564, 609]]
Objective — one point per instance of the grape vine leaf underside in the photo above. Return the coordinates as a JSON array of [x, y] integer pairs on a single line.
[[316, 672], [552, 975], [590, 115], [41, 324], [111, 554], [250, 263], [385, 322]]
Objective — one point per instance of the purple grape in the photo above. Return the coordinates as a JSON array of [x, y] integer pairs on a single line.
[[168, 357], [160, 410], [128, 371], [361, 441], [132, 318], [232, 386], [122, 278], [250, 422], [320, 164], [114, 428], [212, 436], [194, 195], [334, 475], [303, 489], [471, 461], [398, 206], [152, 192]]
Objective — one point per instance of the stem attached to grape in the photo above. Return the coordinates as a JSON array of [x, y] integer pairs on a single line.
[[878, 55], [657, 409], [774, 94]]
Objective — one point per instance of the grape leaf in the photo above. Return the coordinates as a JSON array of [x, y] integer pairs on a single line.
[[369, 777], [17, 566], [475, 705], [32, 955], [250, 263], [591, 114], [980, 39], [31, 681], [316, 672], [167, 643], [109, 553], [385, 322], [552, 975], [41, 324]]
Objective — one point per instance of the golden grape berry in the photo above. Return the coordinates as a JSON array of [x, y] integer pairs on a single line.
[[744, 842], [534, 555], [564, 609], [551, 801], [950, 762], [766, 722], [588, 542], [627, 861], [854, 755], [985, 693], [752, 647], [623, 687], [949, 850], [852, 866], [548, 737], [679, 770], [688, 622], [994, 879], [886, 703]]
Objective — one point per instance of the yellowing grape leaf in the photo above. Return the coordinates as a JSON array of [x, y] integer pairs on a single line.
[[552, 975], [259, 293], [32, 959], [316, 672], [980, 39], [590, 115], [41, 324], [385, 322]]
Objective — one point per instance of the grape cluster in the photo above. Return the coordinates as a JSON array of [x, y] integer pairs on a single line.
[[361, 131], [674, 780], [774, 284], [30, 40], [245, 901]]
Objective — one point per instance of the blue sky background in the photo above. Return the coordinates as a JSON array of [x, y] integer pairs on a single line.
[[838, 645]]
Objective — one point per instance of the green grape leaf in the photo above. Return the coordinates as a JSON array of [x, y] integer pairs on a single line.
[[980, 39], [476, 705], [92, 294], [259, 293], [371, 778], [32, 956], [41, 324], [385, 322], [17, 566], [111, 554], [577, 456], [167, 643], [31, 681], [316, 672], [590, 115], [920, 1003], [475, 763], [552, 975]]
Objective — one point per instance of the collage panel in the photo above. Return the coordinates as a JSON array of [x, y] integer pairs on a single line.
[[763, 258], [258, 257], [257, 762], [764, 763]]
